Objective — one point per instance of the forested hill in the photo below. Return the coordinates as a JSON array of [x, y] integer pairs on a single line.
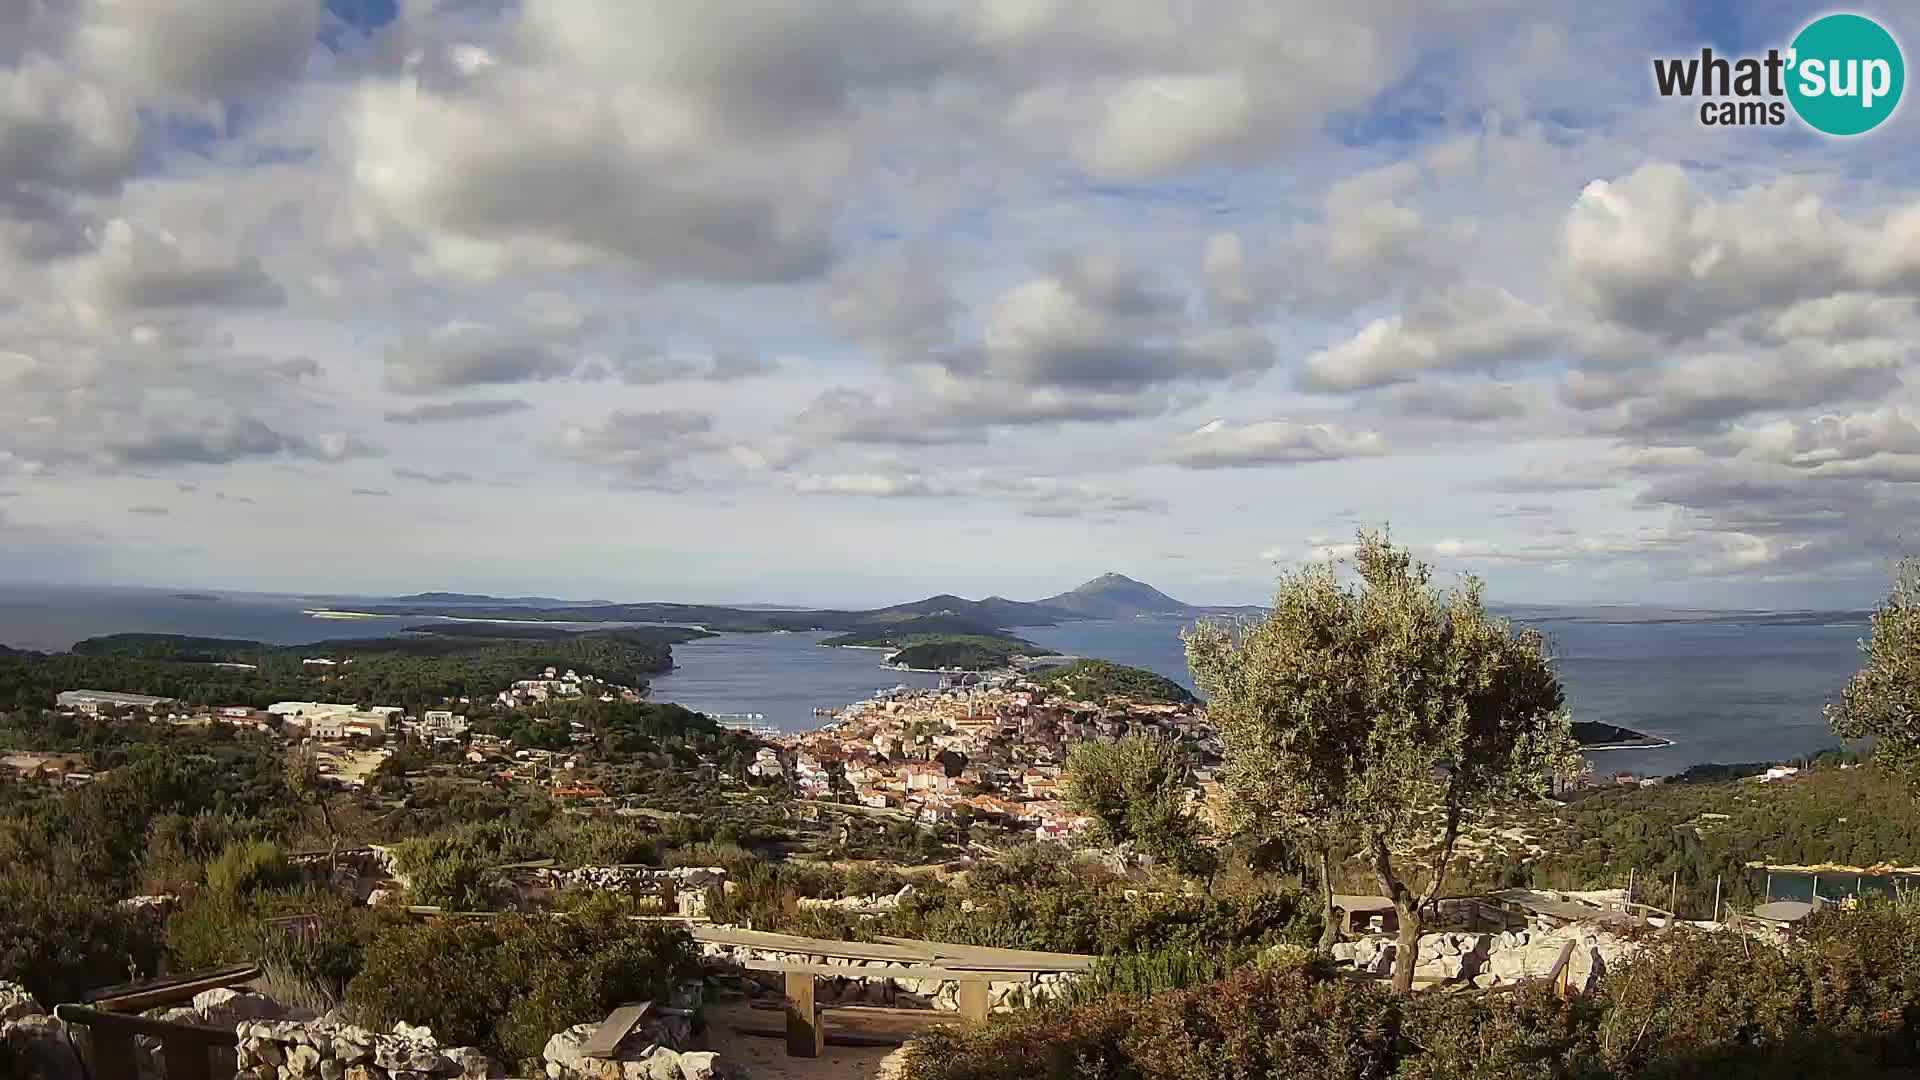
[[1098, 680], [413, 671]]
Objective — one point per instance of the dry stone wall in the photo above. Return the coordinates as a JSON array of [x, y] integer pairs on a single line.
[[1489, 960], [33, 1045], [325, 1050]]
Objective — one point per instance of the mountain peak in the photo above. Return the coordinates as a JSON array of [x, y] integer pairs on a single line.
[[1116, 596]]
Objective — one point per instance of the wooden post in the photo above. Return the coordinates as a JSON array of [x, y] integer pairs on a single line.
[[112, 1053], [974, 999], [1716, 898], [1629, 885], [805, 1036], [1673, 897], [186, 1059]]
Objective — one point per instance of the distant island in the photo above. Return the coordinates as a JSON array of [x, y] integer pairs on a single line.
[[1592, 735], [202, 597], [939, 642], [1109, 596]]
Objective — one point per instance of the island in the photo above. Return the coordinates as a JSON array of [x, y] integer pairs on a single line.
[[1593, 735], [1099, 680]]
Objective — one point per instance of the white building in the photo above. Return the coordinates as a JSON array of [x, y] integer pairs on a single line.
[[92, 701]]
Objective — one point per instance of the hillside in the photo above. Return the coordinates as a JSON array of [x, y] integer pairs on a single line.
[[1098, 680], [961, 652], [1116, 596]]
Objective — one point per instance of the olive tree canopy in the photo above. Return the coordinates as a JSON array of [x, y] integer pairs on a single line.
[[1375, 715], [1882, 700]]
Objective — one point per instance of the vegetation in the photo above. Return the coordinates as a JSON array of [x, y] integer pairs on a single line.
[[1352, 711], [1843, 1003], [507, 984], [1882, 700], [1135, 789], [1101, 680], [964, 652], [420, 671]]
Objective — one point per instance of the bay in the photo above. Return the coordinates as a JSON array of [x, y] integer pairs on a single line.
[[1722, 691]]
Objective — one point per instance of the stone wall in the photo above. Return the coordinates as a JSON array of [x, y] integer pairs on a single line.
[[866, 981], [33, 1045], [1489, 960], [876, 904], [689, 884], [325, 1050], [644, 1055]]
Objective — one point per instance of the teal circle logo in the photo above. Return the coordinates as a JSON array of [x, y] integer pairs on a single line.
[[1845, 74]]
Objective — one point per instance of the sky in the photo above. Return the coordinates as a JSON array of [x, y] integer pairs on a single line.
[[851, 302]]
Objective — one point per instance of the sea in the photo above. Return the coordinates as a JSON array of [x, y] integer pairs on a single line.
[[1727, 691]]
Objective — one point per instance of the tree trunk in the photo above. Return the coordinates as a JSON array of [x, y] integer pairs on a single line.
[[1330, 928], [1406, 954]]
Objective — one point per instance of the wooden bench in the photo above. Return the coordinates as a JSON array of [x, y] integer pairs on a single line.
[[806, 1034]]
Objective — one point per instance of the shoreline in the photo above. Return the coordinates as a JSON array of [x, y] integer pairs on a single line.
[[1656, 744]]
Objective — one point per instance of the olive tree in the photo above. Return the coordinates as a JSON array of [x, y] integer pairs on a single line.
[[1882, 700], [1378, 715], [1135, 788]]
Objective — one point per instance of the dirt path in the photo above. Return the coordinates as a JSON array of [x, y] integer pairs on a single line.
[[767, 1058]]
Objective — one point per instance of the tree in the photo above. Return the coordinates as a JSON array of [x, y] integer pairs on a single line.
[[1882, 700], [308, 786], [1376, 714], [1135, 788]]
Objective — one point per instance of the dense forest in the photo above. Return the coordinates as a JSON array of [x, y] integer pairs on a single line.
[[412, 671]]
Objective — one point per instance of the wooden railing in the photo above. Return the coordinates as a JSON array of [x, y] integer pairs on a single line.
[[184, 1048]]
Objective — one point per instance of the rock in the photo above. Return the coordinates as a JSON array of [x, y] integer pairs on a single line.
[[380, 897], [656, 1063], [474, 1063], [331, 1069], [267, 1052], [303, 1061], [1486, 981], [361, 1072], [226, 1008], [554, 1071], [699, 1065], [36, 1048], [416, 1032], [16, 1003]]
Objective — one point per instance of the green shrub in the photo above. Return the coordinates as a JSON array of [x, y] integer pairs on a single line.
[[246, 867], [59, 941], [506, 984]]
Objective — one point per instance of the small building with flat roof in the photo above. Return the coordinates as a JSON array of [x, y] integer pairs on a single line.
[[92, 701]]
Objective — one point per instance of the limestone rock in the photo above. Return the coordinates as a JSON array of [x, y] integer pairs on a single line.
[[16, 1003], [303, 1061], [225, 1007], [36, 1048]]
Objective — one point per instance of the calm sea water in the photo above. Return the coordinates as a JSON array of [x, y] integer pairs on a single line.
[[1722, 692]]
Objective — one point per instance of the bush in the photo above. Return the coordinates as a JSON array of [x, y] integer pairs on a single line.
[[59, 941], [246, 867], [1841, 1004], [507, 984]]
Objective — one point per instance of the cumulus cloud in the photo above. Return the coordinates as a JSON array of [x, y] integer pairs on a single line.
[[843, 415], [1652, 251], [1220, 444], [1464, 328], [720, 365]]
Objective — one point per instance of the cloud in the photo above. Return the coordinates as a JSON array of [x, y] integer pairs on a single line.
[[225, 441], [298, 367], [720, 365], [842, 415], [453, 411], [135, 267], [199, 49], [641, 448], [887, 485], [149, 511], [372, 492], [1463, 328], [440, 479], [1652, 251], [1477, 401], [463, 354], [1271, 442]]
